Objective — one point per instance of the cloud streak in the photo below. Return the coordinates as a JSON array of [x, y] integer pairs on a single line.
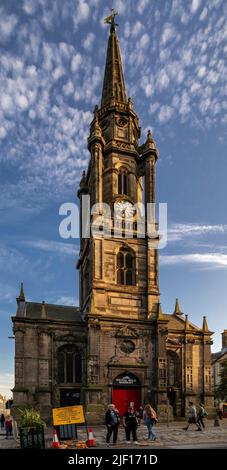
[[205, 260]]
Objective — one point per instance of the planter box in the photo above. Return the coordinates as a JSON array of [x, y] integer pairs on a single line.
[[32, 438]]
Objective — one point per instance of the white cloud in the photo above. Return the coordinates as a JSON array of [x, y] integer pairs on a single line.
[[29, 6], [195, 5], [167, 34], [68, 88], [144, 41], [88, 42], [136, 29], [203, 14], [165, 113], [178, 232], [21, 101], [205, 260], [7, 293], [67, 249], [162, 80], [82, 13], [141, 5], [76, 62], [66, 300], [3, 132], [7, 24]]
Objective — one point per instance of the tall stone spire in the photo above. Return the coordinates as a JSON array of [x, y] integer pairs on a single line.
[[113, 83]]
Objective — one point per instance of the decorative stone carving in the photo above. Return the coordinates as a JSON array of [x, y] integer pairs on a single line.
[[126, 332], [127, 347], [93, 369]]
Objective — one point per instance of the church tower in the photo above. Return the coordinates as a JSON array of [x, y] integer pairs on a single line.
[[119, 291]]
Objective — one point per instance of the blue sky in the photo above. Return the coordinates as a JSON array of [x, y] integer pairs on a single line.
[[51, 70]]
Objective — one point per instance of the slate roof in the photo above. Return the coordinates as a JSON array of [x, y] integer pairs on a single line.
[[53, 312]]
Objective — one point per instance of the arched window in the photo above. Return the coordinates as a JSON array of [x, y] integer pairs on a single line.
[[123, 182], [69, 365], [125, 267]]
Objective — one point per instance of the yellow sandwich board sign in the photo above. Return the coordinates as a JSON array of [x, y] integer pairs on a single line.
[[68, 415]]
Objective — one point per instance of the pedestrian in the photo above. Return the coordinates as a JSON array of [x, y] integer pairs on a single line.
[[192, 417], [112, 420], [220, 413], [140, 414], [150, 418], [2, 421], [202, 413], [130, 423], [8, 426]]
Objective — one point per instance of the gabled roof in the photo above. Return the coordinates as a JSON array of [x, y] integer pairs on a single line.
[[178, 323], [216, 356], [53, 312]]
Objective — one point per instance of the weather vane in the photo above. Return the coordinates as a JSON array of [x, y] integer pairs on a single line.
[[111, 19]]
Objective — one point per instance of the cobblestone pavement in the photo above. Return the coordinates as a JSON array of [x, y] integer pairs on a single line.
[[167, 437]]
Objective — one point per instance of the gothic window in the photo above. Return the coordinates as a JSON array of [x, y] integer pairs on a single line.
[[173, 369], [69, 365], [125, 267], [123, 182], [189, 382]]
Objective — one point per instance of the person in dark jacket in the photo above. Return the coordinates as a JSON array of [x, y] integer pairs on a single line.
[[202, 413], [130, 423], [2, 421], [112, 420]]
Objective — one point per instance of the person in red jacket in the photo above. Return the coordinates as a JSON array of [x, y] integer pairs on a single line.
[[8, 426]]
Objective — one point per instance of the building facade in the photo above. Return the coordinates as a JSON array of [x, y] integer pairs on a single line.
[[217, 359], [117, 346]]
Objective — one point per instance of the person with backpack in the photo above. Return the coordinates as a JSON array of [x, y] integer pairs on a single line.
[[201, 415], [150, 418], [192, 417]]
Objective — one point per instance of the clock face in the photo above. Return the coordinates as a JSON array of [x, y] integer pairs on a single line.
[[124, 209]]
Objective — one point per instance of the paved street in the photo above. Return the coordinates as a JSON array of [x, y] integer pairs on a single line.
[[167, 437]]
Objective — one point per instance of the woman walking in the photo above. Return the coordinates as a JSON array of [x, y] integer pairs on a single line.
[[150, 418]]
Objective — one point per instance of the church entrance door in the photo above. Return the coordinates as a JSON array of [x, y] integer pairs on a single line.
[[126, 391], [123, 397], [69, 396]]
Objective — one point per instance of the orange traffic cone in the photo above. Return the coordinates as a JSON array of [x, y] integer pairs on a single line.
[[55, 443], [90, 441]]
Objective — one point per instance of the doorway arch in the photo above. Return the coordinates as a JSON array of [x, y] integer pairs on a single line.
[[126, 390]]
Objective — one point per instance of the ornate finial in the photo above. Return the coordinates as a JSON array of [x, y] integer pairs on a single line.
[[149, 136], [22, 296], [187, 324], [177, 310], [111, 19], [160, 313], [205, 325], [43, 310], [21, 304], [96, 110]]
